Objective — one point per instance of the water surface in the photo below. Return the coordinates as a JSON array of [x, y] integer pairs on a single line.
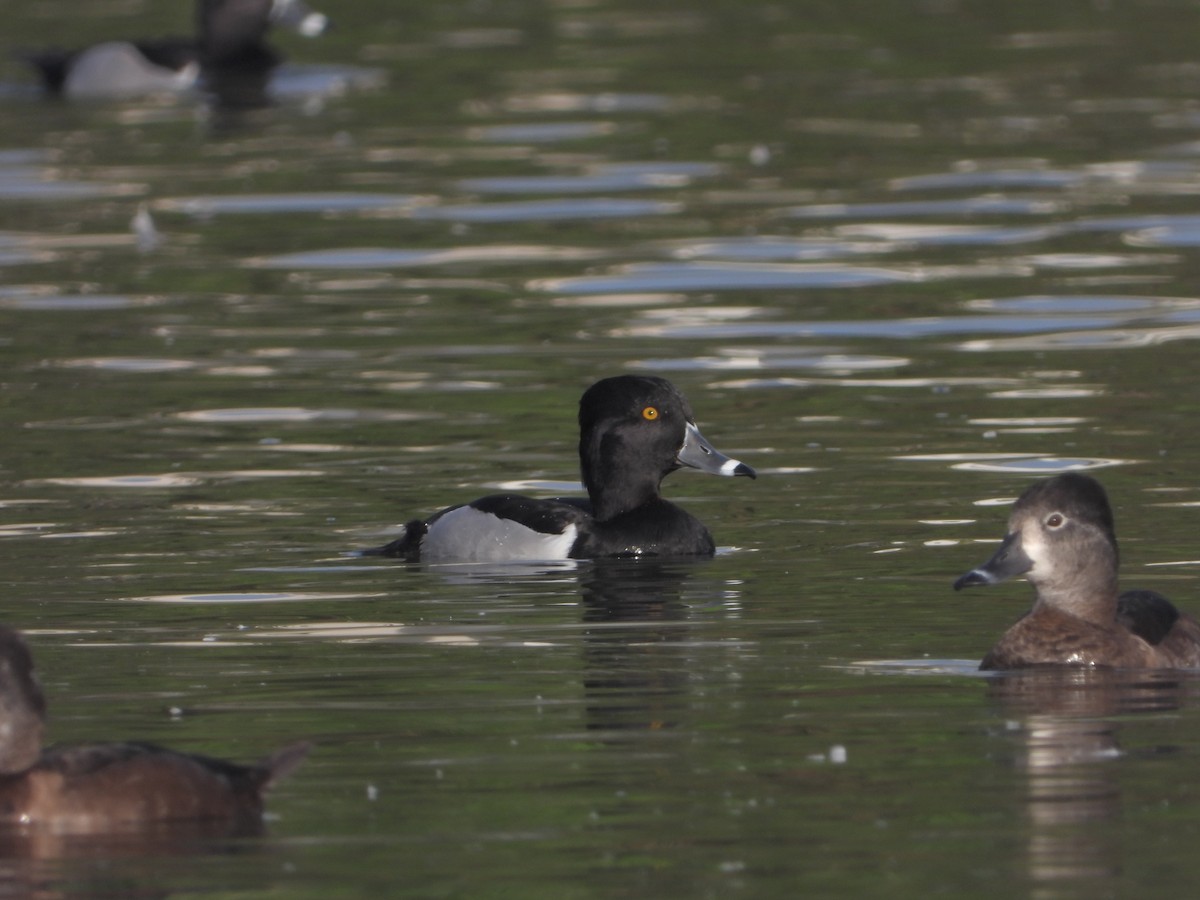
[[902, 261]]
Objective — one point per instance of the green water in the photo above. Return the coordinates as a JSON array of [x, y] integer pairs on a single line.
[[194, 434]]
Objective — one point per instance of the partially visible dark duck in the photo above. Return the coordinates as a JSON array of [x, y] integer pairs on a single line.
[[230, 46], [1061, 537], [98, 788]]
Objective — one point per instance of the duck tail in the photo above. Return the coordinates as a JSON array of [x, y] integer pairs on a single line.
[[51, 65], [407, 546], [283, 762]]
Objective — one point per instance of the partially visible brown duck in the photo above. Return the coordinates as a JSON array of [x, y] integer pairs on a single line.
[[1061, 537], [97, 788]]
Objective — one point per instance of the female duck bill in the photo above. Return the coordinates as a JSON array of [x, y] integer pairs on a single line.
[[1007, 562]]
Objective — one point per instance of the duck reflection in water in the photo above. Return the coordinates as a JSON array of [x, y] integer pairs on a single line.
[[110, 789], [229, 57], [636, 672], [1061, 537], [1067, 721]]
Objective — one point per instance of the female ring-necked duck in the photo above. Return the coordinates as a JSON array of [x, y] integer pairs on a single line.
[[98, 787], [634, 430], [230, 42], [1061, 537]]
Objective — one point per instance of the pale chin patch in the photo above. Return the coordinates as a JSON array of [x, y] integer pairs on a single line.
[[1034, 548]]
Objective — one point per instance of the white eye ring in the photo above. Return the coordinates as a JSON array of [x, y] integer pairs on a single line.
[[1055, 520]]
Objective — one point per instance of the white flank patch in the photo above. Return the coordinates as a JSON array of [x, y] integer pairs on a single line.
[[468, 535], [118, 69]]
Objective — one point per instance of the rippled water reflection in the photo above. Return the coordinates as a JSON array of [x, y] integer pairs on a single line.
[[901, 261]]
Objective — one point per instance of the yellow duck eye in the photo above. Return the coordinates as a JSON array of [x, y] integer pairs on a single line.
[[650, 413]]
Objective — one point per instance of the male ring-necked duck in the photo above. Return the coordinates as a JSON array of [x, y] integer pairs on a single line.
[[1061, 537], [633, 431], [230, 43], [98, 787]]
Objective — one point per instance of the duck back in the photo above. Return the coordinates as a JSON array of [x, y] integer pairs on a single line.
[[99, 787]]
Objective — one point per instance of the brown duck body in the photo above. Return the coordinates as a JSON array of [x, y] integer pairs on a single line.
[[98, 788], [102, 787], [1061, 537], [1054, 637]]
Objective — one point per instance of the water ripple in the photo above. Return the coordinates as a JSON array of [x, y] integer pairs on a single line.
[[932, 326], [541, 133], [450, 636], [174, 480], [1055, 392], [27, 529], [572, 184], [1030, 421], [243, 204], [1135, 223], [564, 102], [1084, 261], [37, 301], [989, 204], [949, 235], [12, 256], [735, 360], [546, 210], [259, 414], [312, 83], [382, 258], [608, 177], [1040, 465], [1023, 463], [1104, 339], [1166, 236], [898, 383], [131, 364], [241, 597], [767, 248], [976, 178], [665, 277], [1056, 305], [24, 183], [538, 484]]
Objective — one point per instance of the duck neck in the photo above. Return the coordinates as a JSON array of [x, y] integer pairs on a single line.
[[20, 732], [613, 498], [227, 31], [1089, 595], [615, 482]]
